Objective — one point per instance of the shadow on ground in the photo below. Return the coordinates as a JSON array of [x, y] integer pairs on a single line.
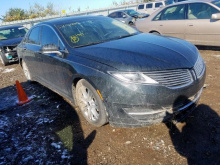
[[199, 138], [45, 131]]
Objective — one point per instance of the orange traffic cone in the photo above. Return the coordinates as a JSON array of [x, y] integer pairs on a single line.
[[22, 97]]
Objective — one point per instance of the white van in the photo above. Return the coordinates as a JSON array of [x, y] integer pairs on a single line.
[[150, 7]]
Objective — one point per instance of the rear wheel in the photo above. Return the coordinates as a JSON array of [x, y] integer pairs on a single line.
[[90, 103], [3, 59], [26, 71]]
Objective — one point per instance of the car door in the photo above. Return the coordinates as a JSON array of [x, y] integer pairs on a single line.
[[171, 21], [120, 17], [52, 63], [31, 49], [201, 29]]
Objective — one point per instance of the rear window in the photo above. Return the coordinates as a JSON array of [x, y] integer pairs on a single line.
[[141, 7]]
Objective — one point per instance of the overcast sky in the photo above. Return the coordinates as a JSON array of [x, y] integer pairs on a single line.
[[59, 4]]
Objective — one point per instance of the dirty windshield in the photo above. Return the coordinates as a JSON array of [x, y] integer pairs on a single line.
[[13, 32], [94, 31]]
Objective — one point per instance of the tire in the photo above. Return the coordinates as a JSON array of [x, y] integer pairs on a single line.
[[90, 104], [131, 23], [3, 59], [26, 71], [155, 33]]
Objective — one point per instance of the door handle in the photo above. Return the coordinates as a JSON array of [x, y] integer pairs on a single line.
[[161, 25], [190, 24], [24, 48]]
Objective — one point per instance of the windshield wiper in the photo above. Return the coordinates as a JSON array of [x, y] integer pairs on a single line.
[[89, 44], [106, 40], [127, 35]]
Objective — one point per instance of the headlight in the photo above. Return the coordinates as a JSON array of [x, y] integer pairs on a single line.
[[133, 77]]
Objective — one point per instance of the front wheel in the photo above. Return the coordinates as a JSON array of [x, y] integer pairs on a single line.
[[3, 59], [90, 104]]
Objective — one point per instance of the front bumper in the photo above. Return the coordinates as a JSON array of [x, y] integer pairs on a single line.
[[133, 108]]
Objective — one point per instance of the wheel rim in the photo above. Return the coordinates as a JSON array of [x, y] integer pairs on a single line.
[[88, 104], [26, 71]]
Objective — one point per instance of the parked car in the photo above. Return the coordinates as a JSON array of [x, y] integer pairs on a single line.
[[194, 21], [10, 37], [150, 7], [128, 16], [111, 71]]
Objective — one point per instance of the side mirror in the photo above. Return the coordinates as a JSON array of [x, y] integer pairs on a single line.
[[216, 16], [124, 16], [51, 48]]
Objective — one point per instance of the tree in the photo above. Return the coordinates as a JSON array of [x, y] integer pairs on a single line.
[[34, 11], [38, 10], [114, 3], [78, 9], [14, 14]]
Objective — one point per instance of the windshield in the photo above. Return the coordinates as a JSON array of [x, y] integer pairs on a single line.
[[94, 31], [217, 3], [131, 12], [12, 32]]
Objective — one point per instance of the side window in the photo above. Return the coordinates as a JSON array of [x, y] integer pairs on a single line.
[[140, 7], [158, 5], [148, 6], [113, 15], [174, 13], [201, 11], [157, 17], [33, 37], [120, 14], [48, 36]]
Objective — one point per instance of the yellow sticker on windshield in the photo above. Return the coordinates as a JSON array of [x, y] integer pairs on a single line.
[[75, 38]]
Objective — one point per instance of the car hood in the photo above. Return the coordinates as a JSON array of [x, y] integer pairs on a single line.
[[142, 52], [14, 41]]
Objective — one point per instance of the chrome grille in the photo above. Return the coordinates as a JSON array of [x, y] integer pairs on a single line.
[[171, 78], [199, 67]]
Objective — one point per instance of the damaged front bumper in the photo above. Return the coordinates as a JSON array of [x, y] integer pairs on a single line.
[[10, 52], [159, 105]]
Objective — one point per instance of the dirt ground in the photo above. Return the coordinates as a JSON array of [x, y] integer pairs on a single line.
[[49, 131]]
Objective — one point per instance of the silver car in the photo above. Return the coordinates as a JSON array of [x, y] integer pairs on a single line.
[[128, 16], [194, 21]]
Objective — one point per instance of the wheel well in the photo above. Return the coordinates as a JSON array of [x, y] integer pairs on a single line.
[[154, 31], [20, 62], [75, 81]]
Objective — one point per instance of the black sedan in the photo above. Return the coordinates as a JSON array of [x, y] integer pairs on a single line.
[[10, 37], [112, 72]]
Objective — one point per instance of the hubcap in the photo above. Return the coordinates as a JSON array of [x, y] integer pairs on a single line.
[[88, 104]]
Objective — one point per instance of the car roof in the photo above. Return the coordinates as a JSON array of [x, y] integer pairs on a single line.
[[69, 19], [189, 1], [10, 26]]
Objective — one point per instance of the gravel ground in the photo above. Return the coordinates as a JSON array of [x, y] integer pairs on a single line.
[[48, 130]]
